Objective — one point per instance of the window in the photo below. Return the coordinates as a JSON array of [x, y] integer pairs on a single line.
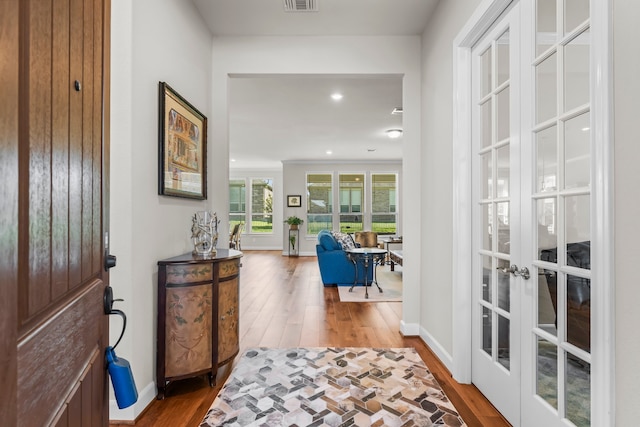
[[319, 204], [384, 213], [262, 205], [351, 202], [237, 204], [259, 216]]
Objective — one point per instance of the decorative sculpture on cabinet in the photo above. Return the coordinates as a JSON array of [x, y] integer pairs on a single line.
[[204, 232]]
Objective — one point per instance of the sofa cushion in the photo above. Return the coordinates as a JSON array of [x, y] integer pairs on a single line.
[[327, 241], [345, 240]]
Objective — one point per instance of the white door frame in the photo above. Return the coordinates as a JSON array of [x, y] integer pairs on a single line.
[[602, 215]]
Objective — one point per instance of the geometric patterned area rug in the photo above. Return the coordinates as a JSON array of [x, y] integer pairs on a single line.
[[331, 387]]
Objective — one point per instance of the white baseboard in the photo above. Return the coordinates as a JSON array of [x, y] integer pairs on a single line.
[[409, 329], [145, 397], [435, 346]]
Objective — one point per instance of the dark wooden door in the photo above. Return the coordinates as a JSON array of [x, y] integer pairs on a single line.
[[54, 156]]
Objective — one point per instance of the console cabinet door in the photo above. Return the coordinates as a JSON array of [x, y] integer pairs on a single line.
[[228, 312]]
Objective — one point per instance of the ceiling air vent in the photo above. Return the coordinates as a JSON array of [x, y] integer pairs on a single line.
[[300, 5]]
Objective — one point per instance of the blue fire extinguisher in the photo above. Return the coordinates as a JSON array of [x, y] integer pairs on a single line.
[[120, 372]]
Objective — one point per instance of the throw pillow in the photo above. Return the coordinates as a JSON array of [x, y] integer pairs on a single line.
[[345, 240]]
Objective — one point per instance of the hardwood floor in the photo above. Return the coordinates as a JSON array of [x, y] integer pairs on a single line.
[[283, 304]]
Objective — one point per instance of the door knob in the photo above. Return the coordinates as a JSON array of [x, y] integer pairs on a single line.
[[513, 269], [524, 272]]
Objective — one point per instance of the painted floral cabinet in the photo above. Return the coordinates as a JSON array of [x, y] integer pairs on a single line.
[[198, 316]]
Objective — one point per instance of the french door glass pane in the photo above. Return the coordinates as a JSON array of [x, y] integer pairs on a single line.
[[486, 73], [502, 113], [504, 234], [546, 159], [487, 122], [487, 226], [547, 301], [547, 226], [576, 12], [547, 372], [504, 347], [578, 392], [487, 334], [487, 178], [578, 299], [504, 281], [576, 72], [503, 171], [546, 89], [546, 27], [502, 58], [577, 220], [487, 278], [577, 151]]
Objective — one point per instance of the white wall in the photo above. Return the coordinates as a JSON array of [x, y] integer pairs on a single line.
[[436, 192], [337, 55], [152, 41], [627, 209], [295, 174]]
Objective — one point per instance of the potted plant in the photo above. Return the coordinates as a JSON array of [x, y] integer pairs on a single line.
[[294, 222]]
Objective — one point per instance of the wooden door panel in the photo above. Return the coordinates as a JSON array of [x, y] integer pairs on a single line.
[[75, 141], [9, 72], [60, 150], [59, 332], [36, 202], [57, 357]]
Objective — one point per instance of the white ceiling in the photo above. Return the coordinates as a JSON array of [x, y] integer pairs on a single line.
[[272, 119]]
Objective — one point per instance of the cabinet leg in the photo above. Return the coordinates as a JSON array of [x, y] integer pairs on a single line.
[[160, 395], [212, 379]]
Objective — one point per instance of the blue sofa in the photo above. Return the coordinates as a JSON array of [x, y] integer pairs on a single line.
[[335, 267]]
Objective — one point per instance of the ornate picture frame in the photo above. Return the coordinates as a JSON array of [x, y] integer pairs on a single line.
[[182, 154], [294, 201]]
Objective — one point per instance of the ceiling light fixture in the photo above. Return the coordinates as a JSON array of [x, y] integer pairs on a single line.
[[329, 152], [394, 133], [336, 96]]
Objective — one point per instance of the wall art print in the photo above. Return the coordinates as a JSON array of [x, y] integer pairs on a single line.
[[182, 165]]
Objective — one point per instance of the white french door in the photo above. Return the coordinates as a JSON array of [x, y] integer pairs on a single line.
[[531, 230], [496, 209]]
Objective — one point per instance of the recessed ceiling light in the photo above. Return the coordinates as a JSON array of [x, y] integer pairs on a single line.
[[336, 96], [394, 133], [397, 110], [586, 129], [233, 160], [329, 152]]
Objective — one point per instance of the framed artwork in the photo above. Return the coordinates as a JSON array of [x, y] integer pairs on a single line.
[[182, 154], [294, 201]]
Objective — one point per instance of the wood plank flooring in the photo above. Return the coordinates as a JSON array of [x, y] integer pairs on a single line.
[[283, 304]]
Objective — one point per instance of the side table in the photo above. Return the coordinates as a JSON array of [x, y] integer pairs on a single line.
[[388, 242], [367, 257]]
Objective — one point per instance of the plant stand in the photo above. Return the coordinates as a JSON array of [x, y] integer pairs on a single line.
[[294, 242]]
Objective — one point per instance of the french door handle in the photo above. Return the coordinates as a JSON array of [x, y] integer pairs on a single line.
[[524, 271]]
